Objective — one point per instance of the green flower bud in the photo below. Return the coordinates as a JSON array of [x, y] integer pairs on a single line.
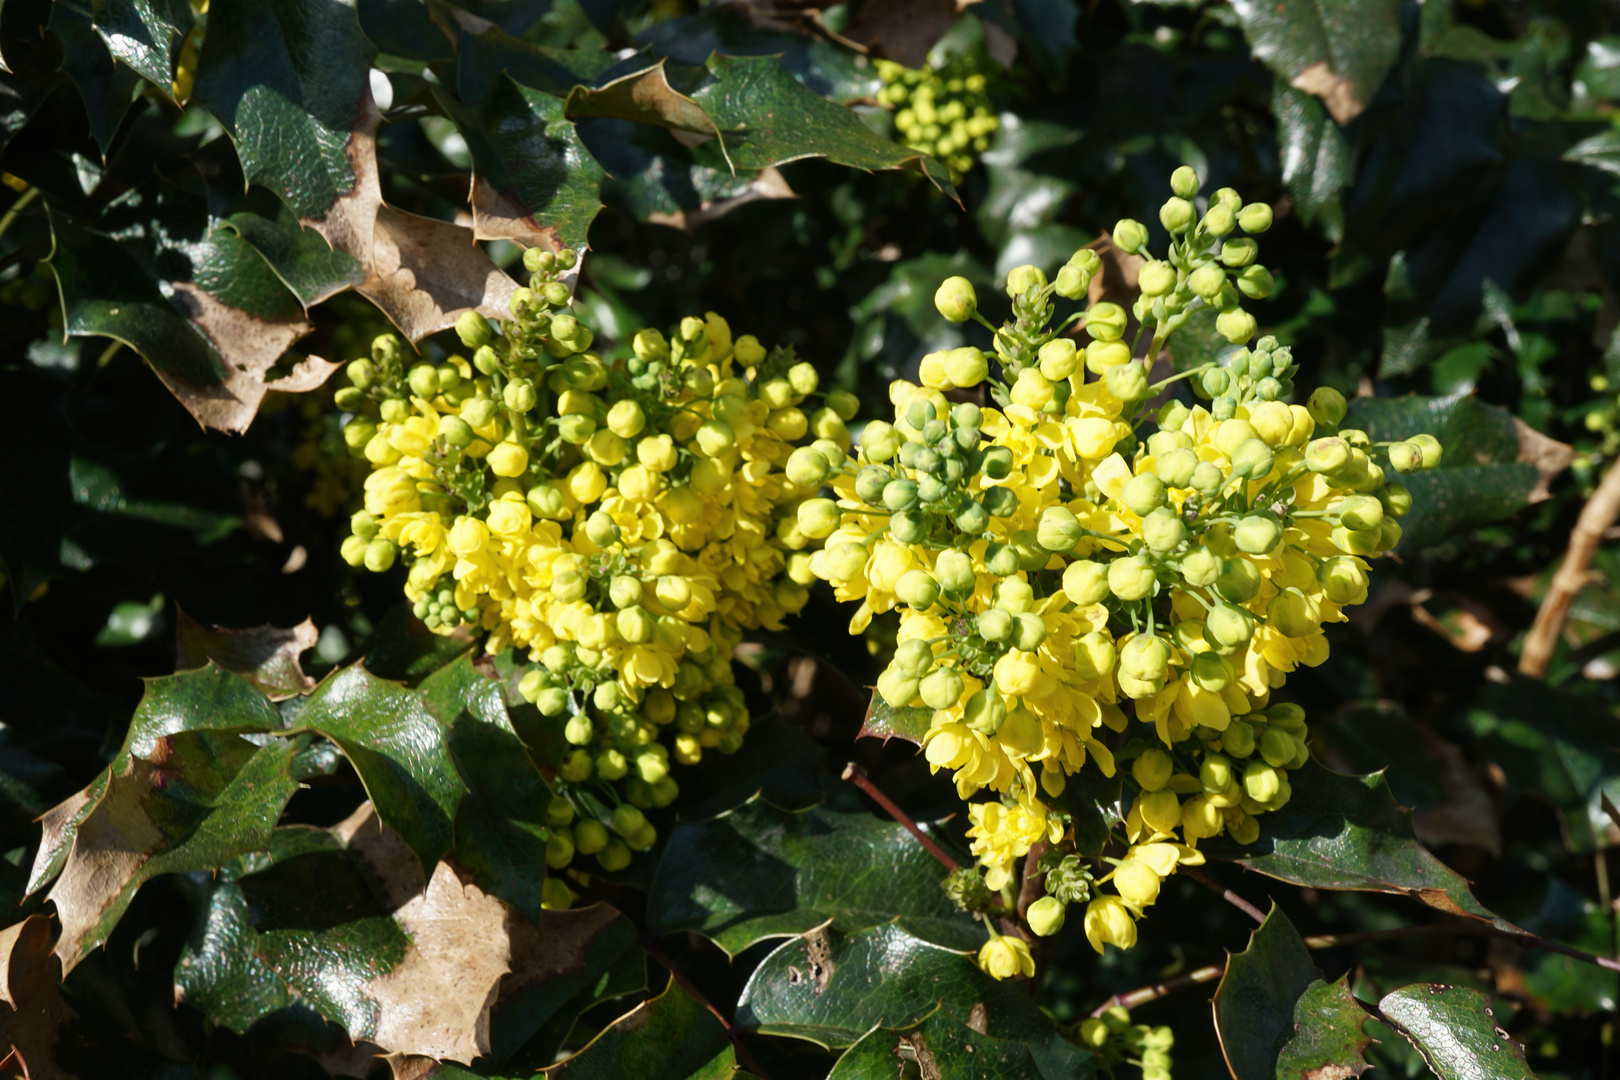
[[1238, 739], [1130, 236], [1215, 773], [1277, 747], [1132, 578], [1218, 220], [819, 518], [1184, 182], [1251, 458], [869, 482], [1235, 324], [1215, 382], [1255, 218], [559, 850], [601, 529], [956, 299], [1143, 494], [479, 411], [897, 688], [1289, 614], [1085, 582], [1228, 628], [361, 373], [1128, 382], [972, 518], [1105, 321], [576, 428], [635, 626], [627, 820], [1093, 1033], [954, 570], [917, 589], [1207, 281], [1175, 467], [1163, 530], [1212, 672], [422, 381], [994, 625], [1045, 916], [1257, 534], [1397, 500], [1238, 253], [1405, 457], [520, 395], [1207, 478], [1176, 215], [455, 431], [1199, 568], [579, 730], [540, 261], [966, 367], [1028, 631], [1256, 282], [1326, 406], [1024, 278], [1002, 559], [349, 398], [380, 555], [473, 329], [806, 467], [909, 527], [996, 464], [1327, 455], [880, 441], [941, 688], [1145, 657], [590, 835], [1152, 769], [1059, 358], [900, 495], [985, 711], [1361, 512], [1059, 530], [1157, 278], [615, 857], [1430, 446]]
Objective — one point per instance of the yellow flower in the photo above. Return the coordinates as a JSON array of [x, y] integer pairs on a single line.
[[1006, 958], [1109, 922]]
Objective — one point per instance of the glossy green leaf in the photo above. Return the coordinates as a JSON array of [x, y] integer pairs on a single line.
[[1317, 161], [1455, 1030], [822, 67], [956, 1052], [288, 80], [1347, 832], [193, 800], [1027, 192], [107, 87], [759, 872], [144, 34], [1492, 465], [1277, 1018], [265, 656], [670, 1037], [401, 751], [533, 179], [486, 52], [310, 267], [1601, 151], [404, 650], [1047, 29], [1339, 50], [500, 826], [650, 175], [832, 988], [884, 721]]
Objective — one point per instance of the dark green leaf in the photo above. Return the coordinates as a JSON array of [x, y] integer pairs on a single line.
[[670, 1037], [1027, 192], [1277, 1018], [1096, 805], [107, 87], [197, 799], [288, 79], [1493, 465], [500, 825], [533, 179], [1455, 1031], [403, 649], [1046, 28], [832, 988], [1317, 161], [885, 722], [1338, 50], [955, 1050], [265, 656], [310, 267], [400, 751], [25, 89], [731, 30], [97, 488], [145, 34], [486, 52], [1347, 832], [650, 175], [759, 872]]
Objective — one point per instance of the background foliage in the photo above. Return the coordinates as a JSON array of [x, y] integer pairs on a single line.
[[239, 195]]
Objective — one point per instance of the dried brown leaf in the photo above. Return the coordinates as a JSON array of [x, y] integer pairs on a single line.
[[1548, 455], [33, 1012], [1337, 92], [902, 30], [266, 656], [769, 184], [388, 857]]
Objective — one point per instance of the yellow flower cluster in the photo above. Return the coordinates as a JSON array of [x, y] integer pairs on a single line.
[[621, 521], [1114, 1039], [942, 111], [1055, 568]]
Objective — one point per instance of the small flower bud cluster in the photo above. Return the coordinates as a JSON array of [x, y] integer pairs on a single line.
[[620, 519], [943, 111], [1115, 1040], [1055, 565]]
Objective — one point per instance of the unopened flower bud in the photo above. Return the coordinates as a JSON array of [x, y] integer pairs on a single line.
[[1199, 568], [1130, 235], [1236, 325], [1059, 358], [1239, 252], [956, 299], [473, 329], [1157, 278], [1218, 220], [1059, 531], [1152, 769], [1430, 447], [1143, 494], [1361, 512], [1105, 322], [1255, 218], [1397, 500], [1132, 578], [917, 589], [1085, 582], [1228, 628], [1184, 182], [966, 367], [1176, 215], [1024, 278], [1145, 657], [1128, 382], [1252, 458], [1207, 281], [1256, 282], [1046, 916]]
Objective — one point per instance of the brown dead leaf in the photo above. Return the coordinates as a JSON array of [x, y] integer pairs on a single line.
[[902, 30], [249, 346], [1467, 816], [1463, 621], [266, 656], [646, 97], [382, 851], [769, 184], [495, 216], [34, 1012], [1548, 455], [1336, 91]]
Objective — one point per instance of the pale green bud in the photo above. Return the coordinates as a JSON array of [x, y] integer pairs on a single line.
[[1157, 278], [1143, 494], [1255, 218], [1326, 406], [917, 589], [1199, 568], [1128, 382], [1023, 279], [1207, 281], [1184, 182], [473, 329], [1235, 324], [1105, 321], [1046, 916], [956, 299], [1256, 282], [1239, 252], [1132, 578], [1257, 534], [1085, 582], [1176, 215], [1163, 530], [1059, 531], [1130, 236]]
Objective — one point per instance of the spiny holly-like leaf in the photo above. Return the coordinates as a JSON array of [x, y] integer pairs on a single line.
[[145, 34], [1276, 1017], [1317, 161], [400, 750], [1338, 50], [884, 721], [194, 800], [211, 699], [500, 826], [107, 87], [670, 1037], [1347, 832], [736, 30], [1492, 465], [309, 266], [485, 52], [832, 988], [194, 299], [653, 177], [759, 872], [263, 655], [33, 1011], [288, 80], [404, 650], [533, 180], [1456, 1032], [944, 1046]]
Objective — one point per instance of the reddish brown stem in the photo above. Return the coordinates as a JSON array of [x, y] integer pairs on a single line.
[[853, 773], [1225, 894], [1030, 891], [1159, 990], [687, 985]]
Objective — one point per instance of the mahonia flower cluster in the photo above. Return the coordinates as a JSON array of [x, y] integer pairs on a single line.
[[945, 111], [621, 522], [1053, 566], [1115, 1040]]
